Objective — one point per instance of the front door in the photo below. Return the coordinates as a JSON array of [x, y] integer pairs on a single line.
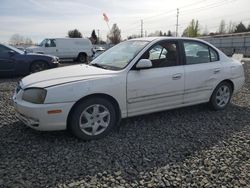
[[160, 87], [51, 47]]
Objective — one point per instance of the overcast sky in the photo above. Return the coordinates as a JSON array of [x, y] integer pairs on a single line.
[[39, 19]]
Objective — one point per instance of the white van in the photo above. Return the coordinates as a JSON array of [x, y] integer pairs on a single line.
[[79, 49]]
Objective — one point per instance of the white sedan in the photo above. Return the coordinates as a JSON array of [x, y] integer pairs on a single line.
[[135, 77]]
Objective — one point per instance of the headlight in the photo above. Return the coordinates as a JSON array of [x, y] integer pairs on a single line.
[[55, 60], [34, 95]]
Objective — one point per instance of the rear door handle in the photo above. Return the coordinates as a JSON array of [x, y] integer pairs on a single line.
[[176, 76], [216, 70]]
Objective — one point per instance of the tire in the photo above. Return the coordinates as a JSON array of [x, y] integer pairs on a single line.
[[92, 119], [82, 58], [38, 66], [221, 96]]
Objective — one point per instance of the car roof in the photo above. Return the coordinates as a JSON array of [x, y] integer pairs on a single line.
[[150, 39]]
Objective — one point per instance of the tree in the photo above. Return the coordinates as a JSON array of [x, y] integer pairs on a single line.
[[155, 34], [74, 34], [169, 34], [133, 36], [222, 27], [93, 37], [240, 28], [231, 27], [205, 32], [114, 35], [248, 28], [28, 41], [192, 30], [16, 39]]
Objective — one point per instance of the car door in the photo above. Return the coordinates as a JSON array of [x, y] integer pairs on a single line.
[[202, 71], [51, 47], [160, 87], [7, 61]]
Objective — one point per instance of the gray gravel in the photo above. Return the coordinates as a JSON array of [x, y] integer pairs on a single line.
[[187, 147]]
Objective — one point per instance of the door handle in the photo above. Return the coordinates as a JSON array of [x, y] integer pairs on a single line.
[[216, 70], [176, 76]]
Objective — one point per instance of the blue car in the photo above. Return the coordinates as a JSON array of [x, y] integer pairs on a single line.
[[15, 62]]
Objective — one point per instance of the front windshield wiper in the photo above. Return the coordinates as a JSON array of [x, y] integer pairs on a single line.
[[104, 66], [99, 65]]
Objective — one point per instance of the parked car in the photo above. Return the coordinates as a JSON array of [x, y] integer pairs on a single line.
[[65, 48], [98, 51], [17, 62], [89, 100]]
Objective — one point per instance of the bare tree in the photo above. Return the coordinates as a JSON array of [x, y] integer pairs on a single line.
[[231, 27], [16, 39], [205, 32], [222, 27], [28, 41], [115, 34]]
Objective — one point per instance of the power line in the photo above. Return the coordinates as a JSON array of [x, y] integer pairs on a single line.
[[207, 7]]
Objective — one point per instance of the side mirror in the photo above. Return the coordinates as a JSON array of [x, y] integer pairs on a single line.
[[11, 53], [144, 64]]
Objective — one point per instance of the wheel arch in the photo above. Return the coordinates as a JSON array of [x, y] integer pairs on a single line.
[[37, 61], [97, 95], [84, 53], [226, 80]]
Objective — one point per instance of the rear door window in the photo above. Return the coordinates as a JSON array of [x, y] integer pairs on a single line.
[[197, 52]]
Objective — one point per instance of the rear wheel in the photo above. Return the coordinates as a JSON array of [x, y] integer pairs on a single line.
[[92, 119], [38, 66], [221, 96], [82, 58]]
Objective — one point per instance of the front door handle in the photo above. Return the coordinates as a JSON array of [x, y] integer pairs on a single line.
[[176, 76], [216, 70]]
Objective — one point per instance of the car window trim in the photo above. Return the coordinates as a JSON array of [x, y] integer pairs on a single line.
[[201, 42], [179, 54]]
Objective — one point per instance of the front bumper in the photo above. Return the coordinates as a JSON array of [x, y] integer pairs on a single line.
[[37, 117]]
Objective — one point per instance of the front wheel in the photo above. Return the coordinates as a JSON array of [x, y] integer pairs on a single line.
[[38, 66], [221, 96], [92, 119]]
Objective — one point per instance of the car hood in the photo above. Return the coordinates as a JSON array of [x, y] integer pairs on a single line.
[[64, 75], [39, 55]]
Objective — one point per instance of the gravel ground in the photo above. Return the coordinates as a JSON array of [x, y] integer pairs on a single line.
[[187, 147]]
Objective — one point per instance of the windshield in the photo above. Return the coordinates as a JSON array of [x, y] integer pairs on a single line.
[[120, 55], [43, 42], [15, 49]]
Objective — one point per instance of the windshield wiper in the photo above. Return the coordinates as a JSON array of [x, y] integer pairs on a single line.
[[99, 65], [104, 66]]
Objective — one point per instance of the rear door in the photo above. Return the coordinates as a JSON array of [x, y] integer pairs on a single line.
[[7, 61], [202, 71]]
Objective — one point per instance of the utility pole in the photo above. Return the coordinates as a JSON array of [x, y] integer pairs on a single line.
[[177, 22], [145, 33], [141, 28], [98, 34]]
